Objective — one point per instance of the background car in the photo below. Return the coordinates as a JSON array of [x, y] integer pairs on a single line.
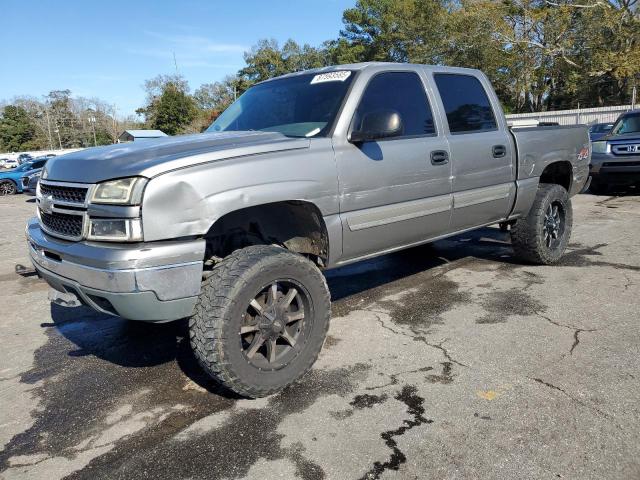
[[24, 157], [11, 180], [30, 181], [615, 161], [599, 130], [10, 163]]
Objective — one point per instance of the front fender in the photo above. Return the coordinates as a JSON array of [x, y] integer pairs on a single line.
[[187, 202]]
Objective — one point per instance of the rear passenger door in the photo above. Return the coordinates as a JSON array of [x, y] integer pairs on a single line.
[[393, 191], [481, 152]]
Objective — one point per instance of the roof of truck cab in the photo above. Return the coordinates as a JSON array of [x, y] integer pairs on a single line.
[[377, 66]]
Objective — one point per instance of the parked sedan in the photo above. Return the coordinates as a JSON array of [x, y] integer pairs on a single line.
[[11, 180], [599, 130]]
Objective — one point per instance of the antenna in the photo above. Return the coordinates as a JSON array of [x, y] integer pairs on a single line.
[[175, 62]]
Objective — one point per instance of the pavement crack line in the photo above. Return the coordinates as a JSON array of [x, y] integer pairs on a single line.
[[578, 401], [416, 335], [439, 346], [394, 377], [576, 331]]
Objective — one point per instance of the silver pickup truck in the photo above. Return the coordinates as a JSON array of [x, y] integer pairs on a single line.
[[310, 171]]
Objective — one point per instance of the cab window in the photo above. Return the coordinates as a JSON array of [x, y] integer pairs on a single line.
[[402, 92], [466, 103]]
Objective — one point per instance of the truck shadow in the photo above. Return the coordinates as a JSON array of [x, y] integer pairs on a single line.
[[139, 345], [133, 345]]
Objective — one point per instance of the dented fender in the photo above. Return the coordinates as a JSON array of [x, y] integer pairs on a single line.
[[188, 201]]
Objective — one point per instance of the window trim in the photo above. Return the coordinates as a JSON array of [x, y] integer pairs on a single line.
[[403, 137], [446, 118]]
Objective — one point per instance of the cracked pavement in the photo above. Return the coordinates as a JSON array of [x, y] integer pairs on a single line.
[[445, 361]]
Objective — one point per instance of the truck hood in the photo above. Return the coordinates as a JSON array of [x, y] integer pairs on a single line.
[[149, 158]]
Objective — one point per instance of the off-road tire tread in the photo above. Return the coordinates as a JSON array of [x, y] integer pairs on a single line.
[[525, 233], [218, 295]]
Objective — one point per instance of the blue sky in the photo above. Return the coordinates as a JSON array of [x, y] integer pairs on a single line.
[[107, 49]]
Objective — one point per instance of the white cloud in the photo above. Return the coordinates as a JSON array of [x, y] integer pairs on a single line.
[[190, 50]]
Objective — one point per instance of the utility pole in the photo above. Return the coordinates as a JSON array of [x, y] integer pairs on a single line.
[[57, 130], [46, 111], [175, 63], [92, 121], [634, 92]]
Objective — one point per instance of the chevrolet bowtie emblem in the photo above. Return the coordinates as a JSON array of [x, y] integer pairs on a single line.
[[46, 204]]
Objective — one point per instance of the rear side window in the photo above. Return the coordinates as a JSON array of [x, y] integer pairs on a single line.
[[402, 92], [466, 103]]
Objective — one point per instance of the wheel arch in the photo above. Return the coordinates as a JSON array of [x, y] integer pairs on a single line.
[[559, 173], [297, 225]]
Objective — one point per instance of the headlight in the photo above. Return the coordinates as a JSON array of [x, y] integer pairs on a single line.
[[599, 147], [124, 191], [34, 175], [115, 229]]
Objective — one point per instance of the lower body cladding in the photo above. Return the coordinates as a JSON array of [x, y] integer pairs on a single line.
[[154, 282]]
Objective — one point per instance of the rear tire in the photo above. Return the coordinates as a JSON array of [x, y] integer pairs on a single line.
[[542, 236], [261, 320], [7, 187]]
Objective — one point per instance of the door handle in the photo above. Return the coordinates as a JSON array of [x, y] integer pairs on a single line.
[[499, 151], [439, 157]]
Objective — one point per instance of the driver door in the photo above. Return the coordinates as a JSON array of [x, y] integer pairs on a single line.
[[394, 191]]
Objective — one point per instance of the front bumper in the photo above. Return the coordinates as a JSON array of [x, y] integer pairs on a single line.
[[614, 170], [154, 282]]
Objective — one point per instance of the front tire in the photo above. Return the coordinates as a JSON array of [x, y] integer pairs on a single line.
[[261, 320], [7, 187], [542, 236]]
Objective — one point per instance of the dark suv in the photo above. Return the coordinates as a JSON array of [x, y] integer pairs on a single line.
[[616, 157]]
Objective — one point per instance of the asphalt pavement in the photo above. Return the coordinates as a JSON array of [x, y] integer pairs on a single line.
[[450, 360]]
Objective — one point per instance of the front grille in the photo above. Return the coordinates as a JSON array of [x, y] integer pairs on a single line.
[[626, 149], [64, 193], [62, 223]]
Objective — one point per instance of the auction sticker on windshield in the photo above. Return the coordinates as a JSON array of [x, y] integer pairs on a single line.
[[339, 76]]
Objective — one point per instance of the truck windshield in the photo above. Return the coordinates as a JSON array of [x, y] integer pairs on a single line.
[[298, 106], [627, 124]]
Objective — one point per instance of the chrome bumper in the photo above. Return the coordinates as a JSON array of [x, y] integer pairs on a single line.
[[157, 281]]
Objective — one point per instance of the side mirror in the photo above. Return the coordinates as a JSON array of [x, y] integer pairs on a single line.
[[377, 125]]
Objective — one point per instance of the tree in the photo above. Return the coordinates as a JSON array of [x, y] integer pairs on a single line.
[[215, 96], [17, 132], [173, 111], [267, 60], [169, 106]]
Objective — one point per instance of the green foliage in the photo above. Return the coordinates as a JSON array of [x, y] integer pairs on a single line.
[[173, 111], [17, 132], [169, 107], [267, 60], [539, 54]]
